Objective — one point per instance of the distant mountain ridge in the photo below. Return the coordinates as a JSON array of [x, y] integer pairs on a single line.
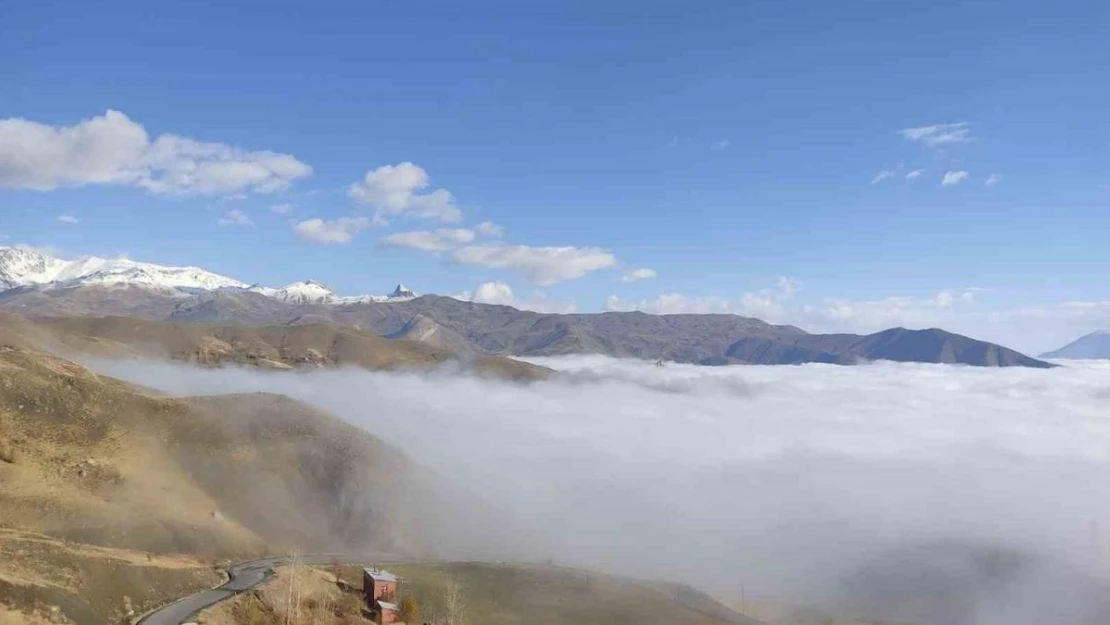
[[1093, 346], [469, 328], [36, 270]]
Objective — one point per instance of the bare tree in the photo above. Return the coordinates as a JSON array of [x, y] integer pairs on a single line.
[[454, 604], [293, 594], [336, 570]]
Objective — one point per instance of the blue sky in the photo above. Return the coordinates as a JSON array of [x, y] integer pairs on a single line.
[[724, 145]]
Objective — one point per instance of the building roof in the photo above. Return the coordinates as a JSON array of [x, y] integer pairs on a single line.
[[385, 605], [380, 575]]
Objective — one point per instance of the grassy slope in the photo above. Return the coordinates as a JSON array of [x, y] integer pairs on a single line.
[[95, 461], [88, 584], [278, 347], [494, 594], [101, 461], [499, 594], [296, 595]]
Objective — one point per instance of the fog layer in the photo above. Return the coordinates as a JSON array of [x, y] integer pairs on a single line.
[[935, 493]]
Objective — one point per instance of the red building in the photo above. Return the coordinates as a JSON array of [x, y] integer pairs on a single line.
[[380, 588], [388, 612]]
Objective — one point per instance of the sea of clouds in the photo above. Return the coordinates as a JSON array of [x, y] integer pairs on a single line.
[[940, 494]]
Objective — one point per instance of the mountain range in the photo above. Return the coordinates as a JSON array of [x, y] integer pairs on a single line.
[[36, 270], [1095, 345], [38, 285]]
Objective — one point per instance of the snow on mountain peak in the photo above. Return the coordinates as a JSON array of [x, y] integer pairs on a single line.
[[25, 267], [21, 266], [305, 292], [402, 292]]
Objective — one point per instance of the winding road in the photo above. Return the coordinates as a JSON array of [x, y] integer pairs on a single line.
[[246, 575], [241, 577]]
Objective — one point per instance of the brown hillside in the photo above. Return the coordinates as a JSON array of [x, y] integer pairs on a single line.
[[99, 461], [45, 580], [274, 347], [488, 594], [88, 462]]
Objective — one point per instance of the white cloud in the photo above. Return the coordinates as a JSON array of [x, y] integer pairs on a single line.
[[636, 275], [931, 494], [1031, 330], [395, 191], [501, 294], [939, 134], [721, 145], [281, 209], [767, 304], [544, 266], [879, 314], [956, 310], [68, 219], [953, 178], [494, 293], [992, 180], [331, 232], [788, 286], [944, 299], [235, 217], [489, 229], [440, 240], [915, 174], [113, 149], [881, 176], [672, 304]]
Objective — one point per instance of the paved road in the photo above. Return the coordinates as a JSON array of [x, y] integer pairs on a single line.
[[242, 577], [247, 575]]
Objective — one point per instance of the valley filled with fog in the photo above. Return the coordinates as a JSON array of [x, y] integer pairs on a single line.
[[941, 494]]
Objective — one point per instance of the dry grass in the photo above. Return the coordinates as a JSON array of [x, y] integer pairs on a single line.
[[268, 347], [104, 465], [48, 580], [7, 443], [297, 595], [92, 464], [104, 462], [35, 616], [503, 594]]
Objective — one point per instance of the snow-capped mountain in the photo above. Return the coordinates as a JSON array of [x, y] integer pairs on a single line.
[[401, 292], [25, 267], [22, 267], [307, 292], [312, 292]]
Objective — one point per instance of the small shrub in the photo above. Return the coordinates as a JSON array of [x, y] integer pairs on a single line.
[[349, 605], [7, 445], [252, 612], [410, 610], [7, 451]]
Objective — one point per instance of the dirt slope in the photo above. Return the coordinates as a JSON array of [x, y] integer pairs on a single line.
[[46, 580], [100, 461], [489, 594], [94, 461], [274, 347]]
